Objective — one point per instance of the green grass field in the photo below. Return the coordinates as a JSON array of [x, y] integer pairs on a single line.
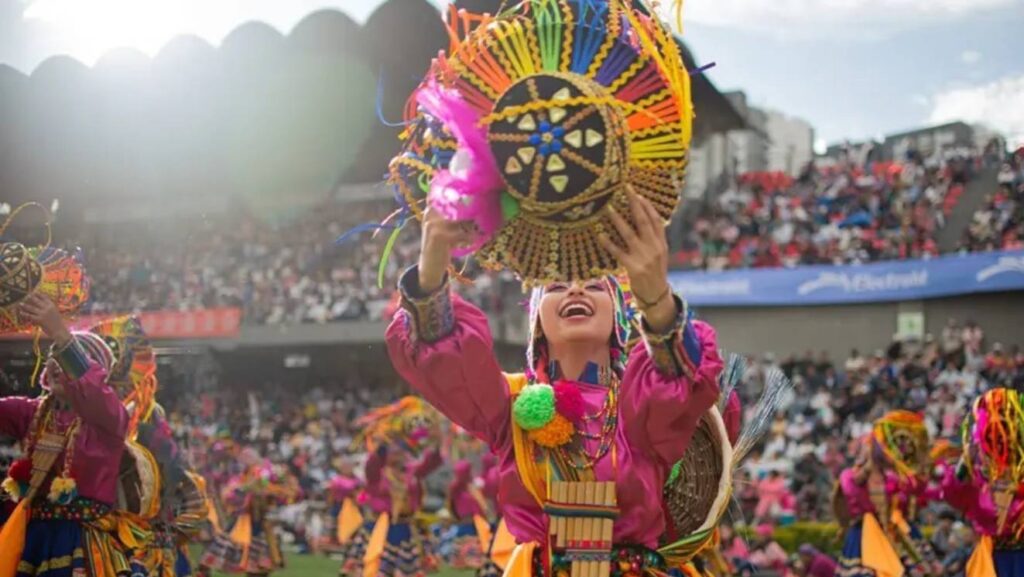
[[323, 566]]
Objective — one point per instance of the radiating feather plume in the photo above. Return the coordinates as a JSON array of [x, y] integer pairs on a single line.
[[735, 367], [777, 389]]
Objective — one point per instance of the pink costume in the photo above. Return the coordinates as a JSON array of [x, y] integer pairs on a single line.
[[99, 443], [379, 489], [342, 487], [65, 523], [771, 493], [442, 346], [491, 476], [909, 494], [462, 502], [974, 501]]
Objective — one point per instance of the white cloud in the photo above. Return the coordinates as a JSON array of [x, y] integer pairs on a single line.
[[998, 105], [970, 56], [830, 17], [921, 100]]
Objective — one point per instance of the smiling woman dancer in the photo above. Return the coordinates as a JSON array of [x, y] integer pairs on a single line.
[[582, 413]]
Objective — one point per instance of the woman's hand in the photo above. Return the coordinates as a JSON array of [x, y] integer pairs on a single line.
[[39, 310], [645, 258], [440, 238]]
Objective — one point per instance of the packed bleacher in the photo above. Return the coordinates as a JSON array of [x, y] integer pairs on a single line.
[[292, 273], [844, 213], [999, 223], [278, 274]]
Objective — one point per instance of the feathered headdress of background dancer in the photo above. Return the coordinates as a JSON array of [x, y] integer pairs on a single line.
[[533, 123], [993, 446], [902, 440], [405, 423], [134, 373]]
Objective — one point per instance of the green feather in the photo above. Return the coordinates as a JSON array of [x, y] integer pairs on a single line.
[[509, 206], [388, 247]]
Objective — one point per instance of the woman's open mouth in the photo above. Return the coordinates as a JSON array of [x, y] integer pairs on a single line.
[[576, 310]]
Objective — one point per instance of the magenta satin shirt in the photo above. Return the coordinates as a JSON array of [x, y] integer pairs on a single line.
[[99, 443]]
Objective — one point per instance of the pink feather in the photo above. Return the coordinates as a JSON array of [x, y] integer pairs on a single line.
[[470, 188]]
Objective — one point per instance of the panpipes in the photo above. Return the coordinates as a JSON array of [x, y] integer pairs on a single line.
[[48, 447], [581, 518]]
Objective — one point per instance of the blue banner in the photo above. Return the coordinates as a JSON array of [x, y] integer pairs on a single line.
[[877, 282]]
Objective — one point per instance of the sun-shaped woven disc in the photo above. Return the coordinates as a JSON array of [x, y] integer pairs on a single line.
[[580, 98]]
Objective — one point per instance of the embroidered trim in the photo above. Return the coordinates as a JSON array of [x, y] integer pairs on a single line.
[[676, 352], [54, 563], [431, 315], [72, 358]]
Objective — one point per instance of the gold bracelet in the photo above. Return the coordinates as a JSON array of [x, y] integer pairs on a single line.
[[644, 305]]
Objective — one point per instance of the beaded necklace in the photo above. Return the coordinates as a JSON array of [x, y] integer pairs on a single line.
[[610, 413]]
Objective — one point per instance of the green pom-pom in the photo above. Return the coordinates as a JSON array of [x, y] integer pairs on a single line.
[[509, 207], [534, 407]]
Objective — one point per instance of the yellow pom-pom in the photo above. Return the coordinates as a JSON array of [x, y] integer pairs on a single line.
[[12, 488], [556, 433], [63, 490]]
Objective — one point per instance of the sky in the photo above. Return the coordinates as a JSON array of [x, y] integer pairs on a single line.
[[854, 69]]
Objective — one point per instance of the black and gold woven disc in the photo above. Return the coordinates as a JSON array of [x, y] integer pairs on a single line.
[[20, 274]]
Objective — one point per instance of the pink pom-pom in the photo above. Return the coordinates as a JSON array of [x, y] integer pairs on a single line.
[[569, 401], [470, 188]]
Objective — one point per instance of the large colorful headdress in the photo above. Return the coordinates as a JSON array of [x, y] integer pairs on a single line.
[[405, 424], [25, 270], [902, 440], [533, 123], [134, 372], [993, 437]]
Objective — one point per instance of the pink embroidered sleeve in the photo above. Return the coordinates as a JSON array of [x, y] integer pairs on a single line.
[[962, 495], [97, 403], [858, 501], [661, 411], [455, 369], [428, 463], [374, 468], [16, 416]]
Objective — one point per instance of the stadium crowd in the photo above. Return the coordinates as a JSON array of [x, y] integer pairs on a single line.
[[999, 223], [846, 213], [278, 274], [292, 273]]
